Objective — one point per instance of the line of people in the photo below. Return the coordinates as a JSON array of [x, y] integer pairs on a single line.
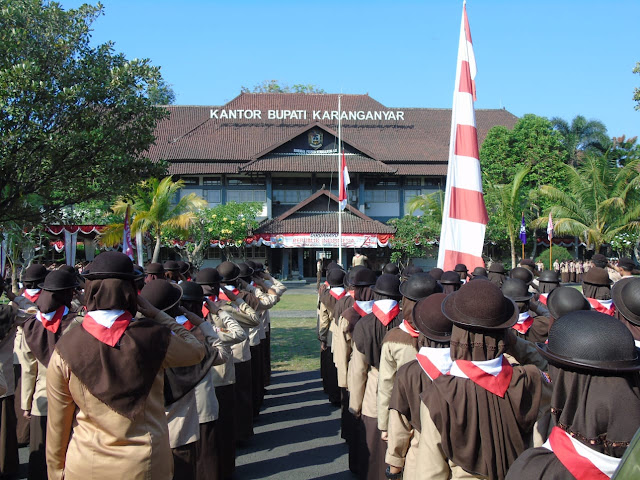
[[129, 374], [490, 375]]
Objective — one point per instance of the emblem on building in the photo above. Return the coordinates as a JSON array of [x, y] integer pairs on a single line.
[[315, 139]]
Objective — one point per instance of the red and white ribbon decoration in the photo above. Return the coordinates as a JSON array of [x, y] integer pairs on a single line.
[[464, 217], [582, 462], [385, 310], [603, 306], [492, 375], [434, 361]]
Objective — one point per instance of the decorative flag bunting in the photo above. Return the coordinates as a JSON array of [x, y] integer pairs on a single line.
[[550, 228], [344, 182], [464, 215], [523, 231], [127, 247]]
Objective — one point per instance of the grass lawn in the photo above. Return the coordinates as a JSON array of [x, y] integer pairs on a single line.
[[297, 302], [294, 344]]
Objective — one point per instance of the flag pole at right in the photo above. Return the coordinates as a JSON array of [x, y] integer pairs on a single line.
[[464, 215]]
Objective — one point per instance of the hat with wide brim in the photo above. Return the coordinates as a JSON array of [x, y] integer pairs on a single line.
[[563, 300], [388, 285], [626, 298], [162, 294], [154, 269], [208, 276], [593, 341], [59, 280], [418, 286], [481, 306], [192, 292], [496, 267], [229, 271], [429, 319], [171, 266], [34, 273], [111, 265], [516, 290], [597, 276], [523, 274]]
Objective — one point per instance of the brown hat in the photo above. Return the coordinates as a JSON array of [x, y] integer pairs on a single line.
[[596, 276], [429, 319], [34, 273], [154, 268], [599, 259], [171, 266], [591, 341], [516, 290], [627, 264], [388, 285], [563, 300], [480, 305], [461, 267], [59, 280], [162, 294], [208, 276], [523, 274], [111, 265], [450, 278], [496, 267], [626, 298], [229, 271], [549, 276]]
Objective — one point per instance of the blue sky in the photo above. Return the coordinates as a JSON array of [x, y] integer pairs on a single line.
[[551, 58]]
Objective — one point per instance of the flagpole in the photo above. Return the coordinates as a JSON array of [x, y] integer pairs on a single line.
[[550, 254], [340, 186]]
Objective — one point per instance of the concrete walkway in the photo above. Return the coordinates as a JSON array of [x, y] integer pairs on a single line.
[[297, 436]]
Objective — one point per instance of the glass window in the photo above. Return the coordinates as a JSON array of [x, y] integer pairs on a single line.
[[213, 253], [243, 196], [212, 181], [292, 182], [190, 180], [392, 196], [213, 196], [379, 196], [413, 181], [244, 181]]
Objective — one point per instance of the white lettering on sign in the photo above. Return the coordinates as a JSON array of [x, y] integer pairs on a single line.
[[317, 115]]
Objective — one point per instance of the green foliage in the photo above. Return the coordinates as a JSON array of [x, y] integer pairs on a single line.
[[624, 150], [636, 91], [274, 86], [25, 243], [623, 244], [414, 237], [581, 136], [559, 253], [602, 200], [228, 224], [75, 120], [161, 93]]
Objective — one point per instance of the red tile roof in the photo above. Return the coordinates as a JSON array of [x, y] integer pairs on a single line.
[[315, 163], [190, 135]]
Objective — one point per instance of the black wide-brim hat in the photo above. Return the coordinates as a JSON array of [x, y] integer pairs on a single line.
[[59, 280], [388, 285], [626, 298], [335, 277], [516, 290], [523, 274], [162, 294], [418, 286], [208, 276], [496, 267], [191, 292], [246, 271], [171, 266], [563, 300], [450, 278], [111, 265], [154, 268], [363, 276], [184, 266], [481, 306], [429, 319], [229, 271], [593, 341], [548, 276], [35, 273], [461, 267]]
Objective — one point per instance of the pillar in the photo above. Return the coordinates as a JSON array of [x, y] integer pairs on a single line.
[[300, 264], [361, 206], [269, 185], [285, 264]]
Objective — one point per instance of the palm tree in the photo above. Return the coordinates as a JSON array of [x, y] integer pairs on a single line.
[[509, 204], [603, 200], [153, 210], [581, 136]]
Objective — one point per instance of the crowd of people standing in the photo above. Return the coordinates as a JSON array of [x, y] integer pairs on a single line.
[[483, 374], [115, 372]]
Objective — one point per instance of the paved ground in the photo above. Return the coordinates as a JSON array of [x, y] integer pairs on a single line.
[[297, 436]]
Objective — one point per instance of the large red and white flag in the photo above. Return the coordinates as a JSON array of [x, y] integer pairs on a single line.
[[464, 215], [127, 247], [344, 181], [550, 228]]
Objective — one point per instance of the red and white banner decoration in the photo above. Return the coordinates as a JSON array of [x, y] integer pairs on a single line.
[[464, 217], [344, 182]]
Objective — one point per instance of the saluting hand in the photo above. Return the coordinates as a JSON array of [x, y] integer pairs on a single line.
[[145, 307]]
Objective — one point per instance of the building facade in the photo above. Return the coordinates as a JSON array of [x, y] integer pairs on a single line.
[[281, 150]]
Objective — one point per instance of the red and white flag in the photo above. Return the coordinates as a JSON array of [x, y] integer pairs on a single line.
[[344, 181], [550, 228], [127, 247], [464, 215]]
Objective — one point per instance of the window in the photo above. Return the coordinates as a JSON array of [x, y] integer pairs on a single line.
[[256, 252], [212, 181], [292, 182], [381, 183], [242, 196], [213, 253], [290, 196], [186, 191], [190, 180], [381, 196], [244, 181], [213, 196], [413, 181]]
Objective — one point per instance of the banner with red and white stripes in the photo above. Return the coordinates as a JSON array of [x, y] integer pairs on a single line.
[[344, 182], [464, 215]]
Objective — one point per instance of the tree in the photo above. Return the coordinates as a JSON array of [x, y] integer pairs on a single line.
[[152, 211], [508, 206], [161, 93], [623, 150], [226, 226], [274, 86], [581, 136], [603, 200], [636, 92], [75, 120], [415, 237]]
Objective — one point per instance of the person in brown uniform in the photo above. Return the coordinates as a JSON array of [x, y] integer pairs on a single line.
[[450, 282], [594, 366], [328, 300], [496, 273], [105, 382], [596, 287], [626, 296], [364, 365], [54, 318], [8, 440], [532, 324], [547, 282], [480, 415]]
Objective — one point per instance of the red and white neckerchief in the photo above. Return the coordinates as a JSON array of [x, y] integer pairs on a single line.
[[326, 284], [223, 295], [363, 307], [524, 323], [603, 306], [385, 310], [637, 342], [107, 326], [582, 462], [434, 361], [351, 293], [205, 307], [184, 321], [51, 321], [253, 284], [492, 375], [32, 294], [543, 298], [337, 292], [407, 328]]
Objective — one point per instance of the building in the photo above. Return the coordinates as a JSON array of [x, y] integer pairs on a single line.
[[281, 150]]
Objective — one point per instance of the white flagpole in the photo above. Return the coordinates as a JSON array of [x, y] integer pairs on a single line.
[[340, 186]]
